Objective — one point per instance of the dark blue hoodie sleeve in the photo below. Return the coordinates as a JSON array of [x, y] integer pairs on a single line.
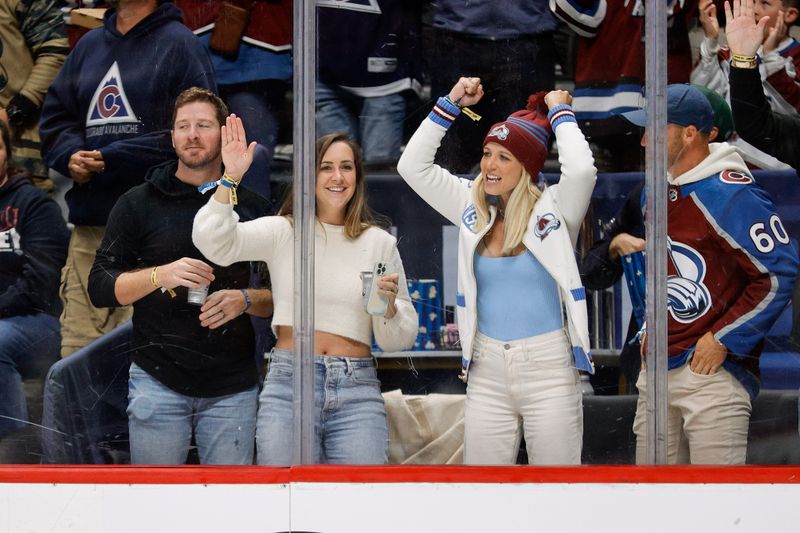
[[44, 240], [62, 123]]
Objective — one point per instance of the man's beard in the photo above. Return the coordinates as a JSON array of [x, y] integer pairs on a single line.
[[200, 162]]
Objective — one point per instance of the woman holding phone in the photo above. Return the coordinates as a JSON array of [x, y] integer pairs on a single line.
[[350, 418]]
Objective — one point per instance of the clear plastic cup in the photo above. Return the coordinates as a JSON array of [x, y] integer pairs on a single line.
[[197, 296]]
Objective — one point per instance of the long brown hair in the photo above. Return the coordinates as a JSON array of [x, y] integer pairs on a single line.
[[358, 215]]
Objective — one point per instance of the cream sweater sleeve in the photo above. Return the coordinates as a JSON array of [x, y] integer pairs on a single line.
[[399, 332], [222, 239]]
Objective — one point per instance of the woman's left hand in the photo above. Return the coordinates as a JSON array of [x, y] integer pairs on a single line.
[[388, 287], [237, 155], [221, 307], [556, 98]]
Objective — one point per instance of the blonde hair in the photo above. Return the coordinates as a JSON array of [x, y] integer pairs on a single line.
[[517, 213]]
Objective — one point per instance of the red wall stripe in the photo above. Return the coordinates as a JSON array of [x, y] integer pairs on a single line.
[[232, 475]]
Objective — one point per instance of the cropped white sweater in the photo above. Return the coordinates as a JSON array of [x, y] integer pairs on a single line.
[[338, 303]]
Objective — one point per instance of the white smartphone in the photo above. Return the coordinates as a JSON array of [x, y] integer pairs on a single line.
[[377, 304]]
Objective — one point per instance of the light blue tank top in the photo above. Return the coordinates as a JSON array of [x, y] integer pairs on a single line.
[[517, 297]]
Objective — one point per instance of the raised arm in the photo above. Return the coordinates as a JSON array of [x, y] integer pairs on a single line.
[[443, 191], [578, 173]]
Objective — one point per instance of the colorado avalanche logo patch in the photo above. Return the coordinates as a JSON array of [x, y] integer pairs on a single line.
[[470, 217], [109, 103], [687, 296], [736, 178], [501, 132], [546, 224]]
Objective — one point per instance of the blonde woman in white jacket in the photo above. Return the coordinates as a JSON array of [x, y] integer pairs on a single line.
[[521, 307], [350, 417]]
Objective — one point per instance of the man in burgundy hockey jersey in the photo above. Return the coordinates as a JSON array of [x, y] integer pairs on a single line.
[[730, 274]]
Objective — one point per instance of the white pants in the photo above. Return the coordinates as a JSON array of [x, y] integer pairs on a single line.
[[529, 384], [707, 422]]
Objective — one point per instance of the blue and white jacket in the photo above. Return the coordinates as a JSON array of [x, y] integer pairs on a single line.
[[552, 230]]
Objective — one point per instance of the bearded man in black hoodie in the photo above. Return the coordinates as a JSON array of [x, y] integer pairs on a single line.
[[193, 368], [33, 248]]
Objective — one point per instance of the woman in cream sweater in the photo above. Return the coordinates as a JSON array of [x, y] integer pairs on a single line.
[[350, 418]]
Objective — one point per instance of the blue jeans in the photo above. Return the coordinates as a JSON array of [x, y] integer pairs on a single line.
[[349, 415], [29, 344], [161, 422], [375, 122]]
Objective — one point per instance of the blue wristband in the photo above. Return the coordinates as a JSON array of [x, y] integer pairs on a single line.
[[246, 299]]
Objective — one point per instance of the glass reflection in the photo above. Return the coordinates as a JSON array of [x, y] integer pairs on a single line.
[[379, 85]]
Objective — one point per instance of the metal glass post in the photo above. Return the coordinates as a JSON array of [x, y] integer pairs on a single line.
[[304, 167], [656, 228]]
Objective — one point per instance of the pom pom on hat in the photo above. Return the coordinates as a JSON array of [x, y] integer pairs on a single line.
[[525, 134]]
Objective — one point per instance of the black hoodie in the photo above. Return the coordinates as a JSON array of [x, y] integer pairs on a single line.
[[33, 249], [151, 225]]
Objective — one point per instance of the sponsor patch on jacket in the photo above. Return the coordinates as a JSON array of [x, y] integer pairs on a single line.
[[501, 132], [734, 177], [546, 224], [470, 217]]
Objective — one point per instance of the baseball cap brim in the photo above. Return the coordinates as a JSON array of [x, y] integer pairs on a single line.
[[637, 117]]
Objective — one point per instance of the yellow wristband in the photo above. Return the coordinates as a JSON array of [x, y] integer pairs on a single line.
[[154, 281]]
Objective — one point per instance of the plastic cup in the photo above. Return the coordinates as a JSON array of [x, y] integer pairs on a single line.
[[197, 296]]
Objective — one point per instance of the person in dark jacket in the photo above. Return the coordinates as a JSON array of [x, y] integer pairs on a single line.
[[756, 123], [33, 248], [193, 368], [106, 118]]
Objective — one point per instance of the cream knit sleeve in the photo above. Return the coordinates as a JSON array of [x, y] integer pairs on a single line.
[[222, 239], [399, 332]]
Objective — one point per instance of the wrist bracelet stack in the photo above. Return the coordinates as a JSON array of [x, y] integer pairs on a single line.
[[154, 281], [740, 61], [224, 181]]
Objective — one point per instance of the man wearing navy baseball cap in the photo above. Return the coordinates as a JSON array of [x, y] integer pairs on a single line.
[[730, 273], [690, 119]]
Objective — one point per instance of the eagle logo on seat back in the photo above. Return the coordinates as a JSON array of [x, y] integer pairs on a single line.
[[545, 224]]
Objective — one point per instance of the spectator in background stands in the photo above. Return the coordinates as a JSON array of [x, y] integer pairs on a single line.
[[105, 118], [33, 47], [252, 62], [508, 45], [193, 370], [610, 75], [730, 274], [774, 133], [368, 64], [778, 57], [33, 248]]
